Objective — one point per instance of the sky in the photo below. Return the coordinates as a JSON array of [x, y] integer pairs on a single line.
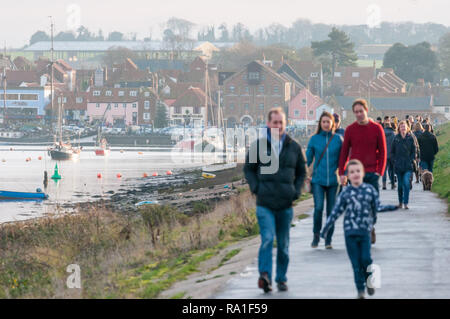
[[21, 18]]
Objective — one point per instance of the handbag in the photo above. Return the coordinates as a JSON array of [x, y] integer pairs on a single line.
[[373, 236], [309, 188]]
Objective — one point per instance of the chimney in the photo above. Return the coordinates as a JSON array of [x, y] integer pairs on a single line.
[[105, 74]]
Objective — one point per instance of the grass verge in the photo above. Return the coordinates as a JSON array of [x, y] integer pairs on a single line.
[[441, 170]]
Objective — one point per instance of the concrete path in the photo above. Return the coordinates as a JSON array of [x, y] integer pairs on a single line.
[[412, 250]]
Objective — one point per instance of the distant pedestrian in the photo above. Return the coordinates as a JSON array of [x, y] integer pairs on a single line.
[[277, 182], [389, 134], [337, 125], [417, 131], [403, 153], [364, 140], [359, 202], [428, 148], [379, 120], [324, 149]]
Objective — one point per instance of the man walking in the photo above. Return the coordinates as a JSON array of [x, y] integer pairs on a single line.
[[364, 140], [275, 190], [389, 135]]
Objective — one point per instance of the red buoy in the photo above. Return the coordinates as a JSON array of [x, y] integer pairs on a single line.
[[119, 175], [155, 174], [169, 172], [99, 175], [145, 175]]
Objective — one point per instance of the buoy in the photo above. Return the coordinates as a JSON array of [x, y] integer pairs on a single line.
[[155, 174], [119, 175], [40, 158], [145, 175], [56, 174], [140, 153], [99, 175], [10, 148], [45, 179], [121, 151], [169, 172]]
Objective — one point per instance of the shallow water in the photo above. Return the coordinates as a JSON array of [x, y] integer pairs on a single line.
[[79, 181]]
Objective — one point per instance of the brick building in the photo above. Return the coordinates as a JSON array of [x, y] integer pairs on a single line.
[[250, 93]]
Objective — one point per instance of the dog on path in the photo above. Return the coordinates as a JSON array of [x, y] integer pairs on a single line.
[[427, 180]]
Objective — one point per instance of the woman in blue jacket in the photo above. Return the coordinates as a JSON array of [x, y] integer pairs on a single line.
[[324, 148], [403, 152]]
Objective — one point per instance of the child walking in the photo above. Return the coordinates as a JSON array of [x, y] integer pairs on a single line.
[[359, 201]]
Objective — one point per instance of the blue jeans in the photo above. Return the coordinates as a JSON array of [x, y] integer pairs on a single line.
[[427, 165], [319, 193], [372, 179], [403, 187], [271, 224], [358, 250], [389, 171]]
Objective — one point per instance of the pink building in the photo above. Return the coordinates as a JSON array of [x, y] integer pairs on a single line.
[[114, 105], [303, 107]]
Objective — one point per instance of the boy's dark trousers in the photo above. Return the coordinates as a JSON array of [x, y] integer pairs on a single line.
[[358, 250], [372, 179]]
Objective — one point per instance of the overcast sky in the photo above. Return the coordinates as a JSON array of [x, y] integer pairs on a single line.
[[21, 18]]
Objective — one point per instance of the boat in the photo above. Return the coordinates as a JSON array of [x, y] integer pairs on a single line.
[[22, 195], [147, 202], [103, 148], [208, 175], [60, 151]]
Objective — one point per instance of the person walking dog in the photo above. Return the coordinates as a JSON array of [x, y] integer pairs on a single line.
[[428, 148], [324, 149], [276, 182]]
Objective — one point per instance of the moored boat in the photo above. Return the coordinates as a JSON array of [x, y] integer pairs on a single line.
[[22, 195]]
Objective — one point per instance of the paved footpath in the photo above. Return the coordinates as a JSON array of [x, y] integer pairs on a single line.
[[412, 250]]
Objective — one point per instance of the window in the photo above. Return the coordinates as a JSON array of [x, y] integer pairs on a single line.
[[109, 106], [196, 110], [314, 74], [108, 93], [337, 74], [276, 89], [121, 93], [124, 105], [12, 96], [178, 109], [261, 88], [96, 93], [146, 116], [246, 89], [97, 105], [133, 93], [311, 112], [64, 99], [79, 100], [116, 105], [134, 105], [253, 75], [231, 106], [146, 105], [261, 106], [303, 101], [447, 109], [296, 113], [246, 106], [231, 89], [263, 77], [30, 97], [355, 74]]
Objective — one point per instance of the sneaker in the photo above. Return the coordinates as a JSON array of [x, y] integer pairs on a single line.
[[328, 246], [384, 187], [282, 286], [264, 283], [406, 206], [370, 291], [400, 206], [360, 295], [315, 242]]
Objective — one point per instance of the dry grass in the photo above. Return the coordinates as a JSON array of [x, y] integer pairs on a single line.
[[119, 255]]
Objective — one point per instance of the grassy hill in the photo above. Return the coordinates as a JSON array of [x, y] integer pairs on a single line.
[[441, 170]]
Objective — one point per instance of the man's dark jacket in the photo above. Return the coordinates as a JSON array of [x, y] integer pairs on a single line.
[[277, 191], [428, 146]]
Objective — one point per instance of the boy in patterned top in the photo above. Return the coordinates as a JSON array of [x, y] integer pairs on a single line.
[[359, 201]]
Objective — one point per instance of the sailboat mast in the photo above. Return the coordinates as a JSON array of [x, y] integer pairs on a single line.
[[206, 96], [4, 97], [51, 66]]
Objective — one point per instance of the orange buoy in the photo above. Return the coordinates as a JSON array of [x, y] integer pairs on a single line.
[[121, 151], [145, 175], [119, 175], [169, 172], [140, 153], [155, 174], [99, 175], [40, 158]]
